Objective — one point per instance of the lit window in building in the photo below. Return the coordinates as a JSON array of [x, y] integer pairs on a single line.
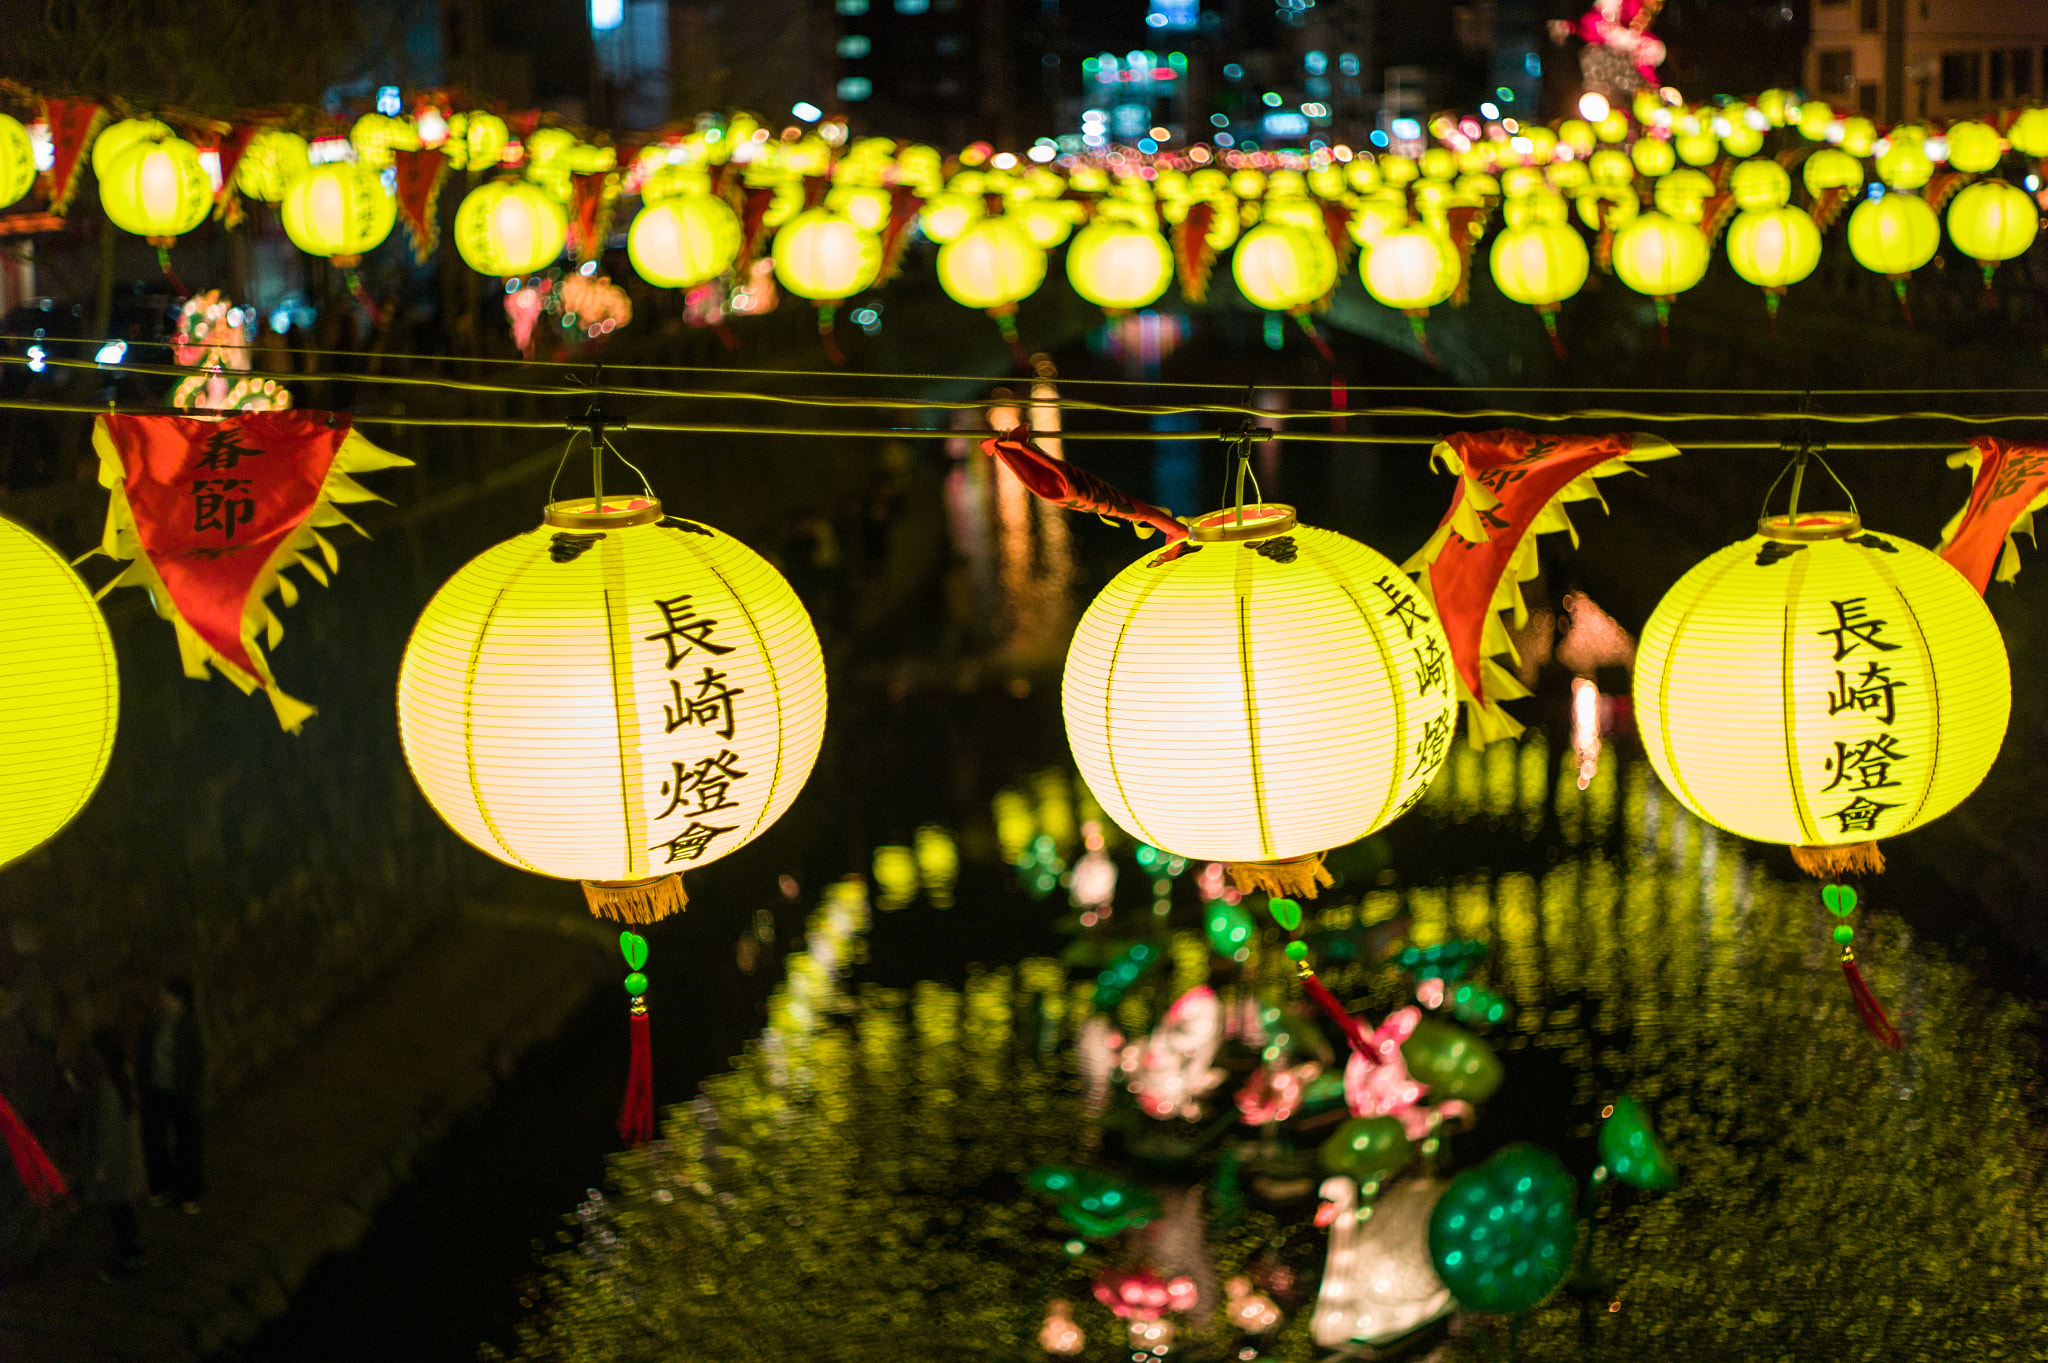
[[606, 15], [854, 89], [854, 45]]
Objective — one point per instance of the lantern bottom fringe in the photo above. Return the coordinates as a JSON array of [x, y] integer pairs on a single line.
[[636, 901], [1850, 859], [1298, 878]]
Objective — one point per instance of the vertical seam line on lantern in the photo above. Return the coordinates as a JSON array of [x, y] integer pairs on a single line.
[[1251, 720], [1933, 686], [1787, 710], [767, 661], [618, 649], [1684, 791], [1109, 691], [1396, 689], [483, 808]]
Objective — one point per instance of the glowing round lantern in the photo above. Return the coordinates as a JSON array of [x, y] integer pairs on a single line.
[[1541, 264], [1683, 195], [1661, 257], [1258, 694], [157, 190], [1607, 208], [62, 695], [1894, 236], [1743, 138], [509, 228], [1992, 221], [992, 264], [1760, 184], [119, 136], [1612, 128], [1279, 267], [2029, 133], [683, 241], [946, 215], [338, 210], [1375, 217], [1816, 116], [1905, 164], [17, 161], [1048, 222], [1820, 685], [1653, 156], [822, 256], [1778, 107], [1774, 248], [613, 697], [1697, 148], [1611, 167], [1974, 147], [269, 164], [1830, 169], [1118, 266], [1543, 206]]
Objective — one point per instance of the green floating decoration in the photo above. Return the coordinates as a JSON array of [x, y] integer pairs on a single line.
[[1452, 1061], [1840, 899], [1629, 1146], [634, 948], [1503, 1233], [1285, 912], [1096, 1204], [1367, 1150], [636, 984], [1229, 927]]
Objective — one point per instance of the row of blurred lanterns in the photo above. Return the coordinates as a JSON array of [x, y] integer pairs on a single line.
[[1622, 179]]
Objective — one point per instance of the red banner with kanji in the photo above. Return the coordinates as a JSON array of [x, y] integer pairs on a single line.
[[1512, 486], [209, 512], [420, 174], [2009, 484]]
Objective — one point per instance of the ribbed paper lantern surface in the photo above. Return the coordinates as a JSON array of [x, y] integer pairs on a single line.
[[17, 161], [1974, 147], [269, 164], [1760, 184], [1541, 264], [1412, 269], [119, 136], [1992, 221], [1773, 247], [1279, 267], [157, 190], [683, 241], [1894, 235], [1117, 265], [60, 693], [1259, 693], [1683, 195], [822, 256], [1660, 256], [509, 228], [992, 264], [1831, 169], [1820, 685], [613, 698], [1653, 156], [338, 210]]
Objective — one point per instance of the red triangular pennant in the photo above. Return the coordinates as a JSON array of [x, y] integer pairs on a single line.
[[420, 174], [73, 123]]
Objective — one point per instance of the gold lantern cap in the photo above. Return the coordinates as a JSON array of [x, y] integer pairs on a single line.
[[1810, 527], [610, 513], [1255, 521]]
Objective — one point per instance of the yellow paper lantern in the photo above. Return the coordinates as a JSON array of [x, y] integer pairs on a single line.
[[119, 136], [1905, 163], [1697, 148], [376, 136], [507, 228], [1258, 695], [1541, 264], [1992, 221], [1280, 267], [1607, 207], [1437, 164], [1376, 216], [1520, 181], [1114, 265], [1683, 194], [157, 190], [1742, 139], [1820, 685], [1859, 136], [1542, 206], [1774, 248], [2029, 133], [1815, 117], [992, 264], [1394, 170], [681, 242], [1568, 177], [1894, 236], [272, 160], [61, 698], [1974, 147], [1413, 270], [1778, 107], [613, 697], [946, 216], [1760, 184], [339, 210], [17, 161], [484, 140], [1661, 257], [822, 256], [1048, 222], [1611, 167], [1577, 134], [1542, 144], [1829, 169], [1653, 156]]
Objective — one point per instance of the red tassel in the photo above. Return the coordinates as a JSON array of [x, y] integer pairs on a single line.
[[1339, 399], [1868, 1008], [1327, 1001], [636, 1113], [1316, 338], [44, 1183]]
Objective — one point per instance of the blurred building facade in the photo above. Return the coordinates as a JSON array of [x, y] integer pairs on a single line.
[[1912, 59]]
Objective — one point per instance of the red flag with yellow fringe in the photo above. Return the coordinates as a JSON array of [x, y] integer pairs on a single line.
[[1512, 486], [210, 512], [2009, 484]]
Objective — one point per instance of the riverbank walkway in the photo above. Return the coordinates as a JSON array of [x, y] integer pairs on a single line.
[[298, 1161]]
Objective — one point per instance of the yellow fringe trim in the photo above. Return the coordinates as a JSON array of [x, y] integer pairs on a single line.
[[122, 541], [2023, 524], [1849, 859], [1485, 720], [1298, 878], [636, 901]]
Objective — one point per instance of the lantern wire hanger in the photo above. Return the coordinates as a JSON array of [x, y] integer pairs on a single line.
[[1826, 526]]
